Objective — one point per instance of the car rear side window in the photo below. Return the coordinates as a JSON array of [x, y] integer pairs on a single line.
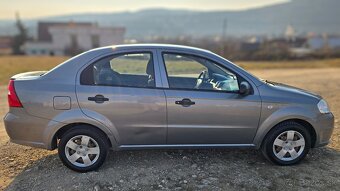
[[129, 70]]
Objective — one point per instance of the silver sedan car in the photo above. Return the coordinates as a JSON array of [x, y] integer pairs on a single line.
[[160, 96]]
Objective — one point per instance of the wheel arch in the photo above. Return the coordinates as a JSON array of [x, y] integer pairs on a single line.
[[72, 118], [302, 122], [62, 130]]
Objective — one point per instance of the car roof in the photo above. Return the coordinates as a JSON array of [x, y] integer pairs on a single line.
[[75, 63], [156, 46]]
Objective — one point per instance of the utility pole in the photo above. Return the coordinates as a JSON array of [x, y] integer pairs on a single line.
[[223, 36]]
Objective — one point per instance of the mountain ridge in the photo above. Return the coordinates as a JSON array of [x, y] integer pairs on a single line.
[[318, 16]]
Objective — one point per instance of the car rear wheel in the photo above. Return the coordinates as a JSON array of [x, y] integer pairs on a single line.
[[287, 144], [83, 148]]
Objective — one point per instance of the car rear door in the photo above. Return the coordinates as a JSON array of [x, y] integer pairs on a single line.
[[121, 90], [206, 114]]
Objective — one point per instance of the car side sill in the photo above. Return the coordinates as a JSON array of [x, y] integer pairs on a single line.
[[185, 146], [30, 143]]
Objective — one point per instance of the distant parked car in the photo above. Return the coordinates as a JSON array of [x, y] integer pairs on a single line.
[[160, 96]]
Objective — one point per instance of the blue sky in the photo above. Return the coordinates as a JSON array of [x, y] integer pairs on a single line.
[[41, 8]]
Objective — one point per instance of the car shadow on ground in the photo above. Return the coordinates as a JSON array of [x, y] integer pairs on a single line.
[[214, 169]]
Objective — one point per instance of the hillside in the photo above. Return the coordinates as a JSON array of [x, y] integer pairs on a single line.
[[319, 16]]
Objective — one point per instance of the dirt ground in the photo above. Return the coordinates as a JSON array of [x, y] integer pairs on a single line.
[[25, 168]]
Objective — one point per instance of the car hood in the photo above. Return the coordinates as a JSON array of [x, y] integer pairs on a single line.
[[292, 89]]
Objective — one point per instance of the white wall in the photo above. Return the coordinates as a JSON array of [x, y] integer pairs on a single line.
[[41, 48], [61, 36], [61, 39]]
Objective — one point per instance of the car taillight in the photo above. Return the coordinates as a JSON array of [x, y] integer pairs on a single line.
[[13, 100]]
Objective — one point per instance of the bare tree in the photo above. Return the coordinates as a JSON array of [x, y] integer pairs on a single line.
[[21, 37]]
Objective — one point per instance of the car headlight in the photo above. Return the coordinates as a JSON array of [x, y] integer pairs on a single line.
[[323, 106]]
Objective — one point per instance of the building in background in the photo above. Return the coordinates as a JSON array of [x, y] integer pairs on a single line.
[[290, 33], [72, 38], [6, 45], [317, 42]]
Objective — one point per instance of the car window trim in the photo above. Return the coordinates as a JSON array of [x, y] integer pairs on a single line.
[[162, 88], [188, 89], [117, 55]]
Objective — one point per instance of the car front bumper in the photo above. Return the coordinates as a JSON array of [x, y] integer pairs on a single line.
[[323, 126]]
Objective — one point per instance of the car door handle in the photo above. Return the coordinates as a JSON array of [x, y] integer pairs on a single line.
[[98, 99], [185, 102]]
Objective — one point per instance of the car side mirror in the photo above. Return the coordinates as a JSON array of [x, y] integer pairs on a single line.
[[244, 88]]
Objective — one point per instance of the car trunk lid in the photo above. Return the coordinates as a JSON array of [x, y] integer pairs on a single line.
[[28, 75]]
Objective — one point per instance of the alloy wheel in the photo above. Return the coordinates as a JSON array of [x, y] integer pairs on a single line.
[[82, 151], [289, 145]]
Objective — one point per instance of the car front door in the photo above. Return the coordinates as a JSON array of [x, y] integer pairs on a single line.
[[120, 90], [203, 102]]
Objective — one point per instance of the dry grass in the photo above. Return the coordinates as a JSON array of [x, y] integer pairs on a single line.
[[327, 63], [11, 65]]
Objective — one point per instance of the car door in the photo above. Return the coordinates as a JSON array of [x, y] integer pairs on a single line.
[[207, 111], [120, 90]]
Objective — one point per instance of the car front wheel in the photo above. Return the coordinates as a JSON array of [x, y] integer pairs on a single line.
[[83, 148], [287, 144]]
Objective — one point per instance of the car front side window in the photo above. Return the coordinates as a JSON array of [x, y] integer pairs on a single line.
[[197, 73]]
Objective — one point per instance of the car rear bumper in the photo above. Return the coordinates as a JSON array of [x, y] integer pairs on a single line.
[[324, 128], [25, 129]]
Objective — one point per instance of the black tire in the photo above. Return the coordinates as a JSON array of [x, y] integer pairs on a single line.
[[91, 132], [267, 145]]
